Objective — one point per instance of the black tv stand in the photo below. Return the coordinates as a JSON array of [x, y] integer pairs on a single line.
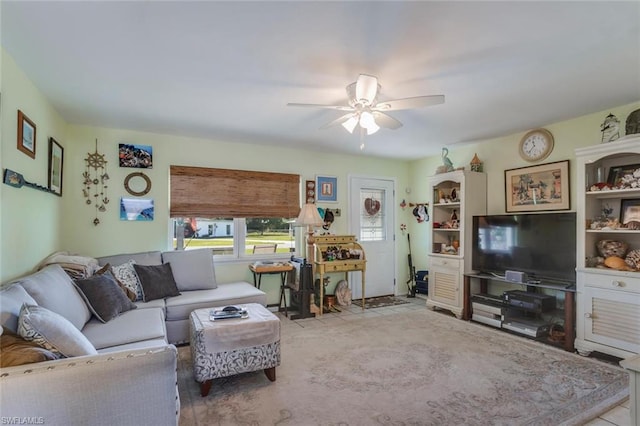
[[568, 288]]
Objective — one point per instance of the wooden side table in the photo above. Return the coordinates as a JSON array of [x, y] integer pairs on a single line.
[[260, 269]]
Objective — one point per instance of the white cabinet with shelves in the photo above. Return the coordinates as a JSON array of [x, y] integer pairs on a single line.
[[608, 300], [456, 197]]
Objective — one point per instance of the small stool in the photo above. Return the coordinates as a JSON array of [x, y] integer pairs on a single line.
[[226, 347]]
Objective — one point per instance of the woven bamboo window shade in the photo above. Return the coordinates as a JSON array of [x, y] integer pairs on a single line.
[[206, 192]]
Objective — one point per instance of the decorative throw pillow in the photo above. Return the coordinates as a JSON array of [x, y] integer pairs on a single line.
[[131, 295], [126, 274], [103, 296], [53, 332], [157, 281], [17, 351]]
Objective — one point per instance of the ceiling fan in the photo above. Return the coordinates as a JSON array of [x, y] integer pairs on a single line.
[[364, 110]]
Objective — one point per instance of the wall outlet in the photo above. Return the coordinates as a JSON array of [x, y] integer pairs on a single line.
[[336, 212]]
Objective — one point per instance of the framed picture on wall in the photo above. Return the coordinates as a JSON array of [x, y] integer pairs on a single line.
[[56, 153], [26, 135], [138, 209], [327, 189], [138, 156], [537, 188]]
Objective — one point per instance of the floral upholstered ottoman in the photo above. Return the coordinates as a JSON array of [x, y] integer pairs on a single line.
[[224, 347]]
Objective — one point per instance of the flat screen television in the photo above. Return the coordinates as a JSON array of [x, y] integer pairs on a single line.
[[541, 245]]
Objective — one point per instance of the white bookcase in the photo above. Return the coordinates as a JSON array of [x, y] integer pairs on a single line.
[[608, 300], [456, 197]]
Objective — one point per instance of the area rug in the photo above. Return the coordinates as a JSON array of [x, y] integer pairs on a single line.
[[379, 302], [414, 368]]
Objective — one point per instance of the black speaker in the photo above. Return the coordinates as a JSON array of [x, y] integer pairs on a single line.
[[300, 299]]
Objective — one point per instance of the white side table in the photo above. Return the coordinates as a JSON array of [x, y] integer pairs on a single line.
[[633, 366]]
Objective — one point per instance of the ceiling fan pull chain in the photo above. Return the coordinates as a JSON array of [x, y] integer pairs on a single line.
[[361, 138]]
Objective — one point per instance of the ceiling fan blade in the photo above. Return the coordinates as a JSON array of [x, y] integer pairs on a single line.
[[386, 121], [409, 103], [337, 107], [366, 88], [338, 120]]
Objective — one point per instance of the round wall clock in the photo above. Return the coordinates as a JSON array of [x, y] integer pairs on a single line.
[[536, 145]]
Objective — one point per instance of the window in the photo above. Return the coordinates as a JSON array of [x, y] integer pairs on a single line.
[[235, 212], [236, 237]]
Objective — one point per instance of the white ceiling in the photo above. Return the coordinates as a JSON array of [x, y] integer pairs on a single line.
[[226, 70]]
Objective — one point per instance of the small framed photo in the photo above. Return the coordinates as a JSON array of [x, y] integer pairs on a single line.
[[26, 135], [56, 153], [616, 173], [630, 211], [327, 189], [537, 188], [138, 156], [140, 209]]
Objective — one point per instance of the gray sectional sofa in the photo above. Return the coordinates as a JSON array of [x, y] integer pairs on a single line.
[[123, 371]]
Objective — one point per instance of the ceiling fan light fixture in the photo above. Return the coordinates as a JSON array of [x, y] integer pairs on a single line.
[[372, 129], [350, 124], [367, 121]]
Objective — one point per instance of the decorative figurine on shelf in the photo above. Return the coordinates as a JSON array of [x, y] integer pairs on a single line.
[[447, 165], [476, 164], [633, 123], [610, 128]]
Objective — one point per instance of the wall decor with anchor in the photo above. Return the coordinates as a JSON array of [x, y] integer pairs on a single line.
[[95, 182]]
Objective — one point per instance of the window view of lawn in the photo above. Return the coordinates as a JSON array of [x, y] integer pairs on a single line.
[[224, 245]]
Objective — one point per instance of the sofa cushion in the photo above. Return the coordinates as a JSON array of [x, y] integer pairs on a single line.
[[157, 281], [158, 303], [192, 269], [17, 351], [126, 274], [179, 307], [53, 332], [142, 258], [130, 327], [131, 295], [11, 300], [53, 289], [105, 298]]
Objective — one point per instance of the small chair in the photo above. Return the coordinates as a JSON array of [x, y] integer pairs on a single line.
[[264, 248]]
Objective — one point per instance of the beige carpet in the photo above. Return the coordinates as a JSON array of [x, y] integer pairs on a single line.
[[415, 368]]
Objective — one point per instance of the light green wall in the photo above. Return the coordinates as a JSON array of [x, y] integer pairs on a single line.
[[34, 224], [501, 154], [31, 220], [116, 236]]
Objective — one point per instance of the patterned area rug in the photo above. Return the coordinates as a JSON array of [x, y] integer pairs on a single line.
[[415, 368], [379, 302]]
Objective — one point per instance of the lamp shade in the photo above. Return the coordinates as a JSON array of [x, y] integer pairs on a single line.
[[350, 124], [309, 216]]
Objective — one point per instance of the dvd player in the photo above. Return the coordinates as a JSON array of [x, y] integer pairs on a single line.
[[535, 302], [528, 327]]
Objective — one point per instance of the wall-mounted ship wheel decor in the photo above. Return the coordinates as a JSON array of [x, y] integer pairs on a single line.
[[95, 182]]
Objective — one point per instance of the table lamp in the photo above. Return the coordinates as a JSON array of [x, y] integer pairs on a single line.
[[310, 218]]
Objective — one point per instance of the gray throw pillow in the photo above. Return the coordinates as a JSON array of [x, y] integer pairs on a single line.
[[104, 297], [157, 281], [192, 269], [53, 332]]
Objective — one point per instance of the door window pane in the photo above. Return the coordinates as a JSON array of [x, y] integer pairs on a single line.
[[372, 217]]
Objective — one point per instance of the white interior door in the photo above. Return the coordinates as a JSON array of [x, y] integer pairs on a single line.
[[371, 219]]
